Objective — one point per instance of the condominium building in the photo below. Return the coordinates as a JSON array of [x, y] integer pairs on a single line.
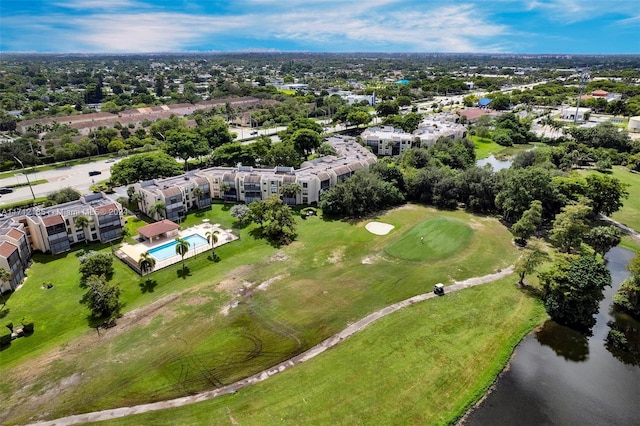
[[54, 229], [247, 184]]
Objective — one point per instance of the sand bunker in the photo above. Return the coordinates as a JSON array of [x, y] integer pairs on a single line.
[[379, 228]]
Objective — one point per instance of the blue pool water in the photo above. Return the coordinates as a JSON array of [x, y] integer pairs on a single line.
[[167, 250]]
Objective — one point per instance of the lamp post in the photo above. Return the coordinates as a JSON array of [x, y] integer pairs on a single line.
[[26, 176]]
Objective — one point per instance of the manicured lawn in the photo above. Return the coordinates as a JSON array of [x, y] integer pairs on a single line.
[[485, 146], [431, 240], [422, 365], [629, 214], [190, 340]]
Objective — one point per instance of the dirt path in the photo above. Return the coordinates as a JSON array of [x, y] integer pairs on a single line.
[[264, 375]]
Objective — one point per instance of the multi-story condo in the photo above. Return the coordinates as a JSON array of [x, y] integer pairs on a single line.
[[176, 194], [54, 229], [247, 184], [387, 140]]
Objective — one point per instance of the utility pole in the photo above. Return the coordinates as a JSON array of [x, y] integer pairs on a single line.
[[26, 176], [583, 81]]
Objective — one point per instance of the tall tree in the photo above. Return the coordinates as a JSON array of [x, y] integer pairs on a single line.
[[603, 239], [157, 210], [528, 223], [146, 263], [606, 193], [570, 227], [305, 141], [529, 260], [102, 297], [82, 222], [182, 248], [274, 218], [573, 289], [212, 239], [627, 298], [239, 212], [5, 277]]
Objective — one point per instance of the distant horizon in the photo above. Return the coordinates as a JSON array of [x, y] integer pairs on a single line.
[[517, 27]]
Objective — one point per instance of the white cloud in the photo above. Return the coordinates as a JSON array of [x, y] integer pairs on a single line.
[[335, 26], [571, 11]]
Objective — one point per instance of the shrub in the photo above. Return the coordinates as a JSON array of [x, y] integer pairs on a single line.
[[27, 325], [9, 325], [5, 338]]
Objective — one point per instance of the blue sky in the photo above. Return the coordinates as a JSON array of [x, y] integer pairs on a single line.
[[509, 26]]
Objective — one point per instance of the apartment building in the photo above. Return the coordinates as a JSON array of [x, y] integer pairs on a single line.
[[53, 230], [387, 140], [247, 184]]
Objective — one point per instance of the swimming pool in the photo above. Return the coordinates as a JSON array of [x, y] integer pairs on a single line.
[[167, 250]]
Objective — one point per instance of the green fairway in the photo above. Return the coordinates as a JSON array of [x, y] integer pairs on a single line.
[[431, 240], [186, 331], [485, 146], [425, 364], [629, 214]]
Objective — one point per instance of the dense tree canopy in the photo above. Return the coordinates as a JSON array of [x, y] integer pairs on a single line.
[[573, 289], [143, 167], [627, 298], [274, 218], [363, 193]]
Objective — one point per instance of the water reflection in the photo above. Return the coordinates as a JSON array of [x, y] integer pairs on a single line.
[[565, 342], [554, 379], [496, 164]]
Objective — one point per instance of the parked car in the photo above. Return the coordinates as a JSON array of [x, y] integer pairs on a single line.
[[255, 132], [6, 190], [110, 160], [95, 172]]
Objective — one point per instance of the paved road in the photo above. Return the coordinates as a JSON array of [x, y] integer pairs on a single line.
[[76, 177], [264, 375]]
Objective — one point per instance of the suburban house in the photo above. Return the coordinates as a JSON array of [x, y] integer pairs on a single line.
[[247, 184], [54, 229]]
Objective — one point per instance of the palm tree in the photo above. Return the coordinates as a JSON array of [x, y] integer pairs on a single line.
[[197, 192], [82, 222], [5, 276], [212, 238], [157, 209], [146, 263], [224, 188], [182, 248]]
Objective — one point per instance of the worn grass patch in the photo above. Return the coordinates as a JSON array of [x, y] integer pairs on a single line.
[[425, 364], [431, 240], [175, 340]]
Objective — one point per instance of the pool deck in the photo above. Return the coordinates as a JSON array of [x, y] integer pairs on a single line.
[[130, 253]]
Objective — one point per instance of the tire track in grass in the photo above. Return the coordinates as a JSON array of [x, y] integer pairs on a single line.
[[278, 368]]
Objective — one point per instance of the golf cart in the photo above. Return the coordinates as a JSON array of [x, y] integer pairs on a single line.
[[439, 289]]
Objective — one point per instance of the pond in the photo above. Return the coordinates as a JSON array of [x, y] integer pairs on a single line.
[[560, 376], [496, 164]]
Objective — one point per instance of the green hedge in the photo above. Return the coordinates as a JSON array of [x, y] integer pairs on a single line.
[[5, 338]]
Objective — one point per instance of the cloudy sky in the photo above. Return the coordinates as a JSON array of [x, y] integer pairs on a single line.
[[510, 26]]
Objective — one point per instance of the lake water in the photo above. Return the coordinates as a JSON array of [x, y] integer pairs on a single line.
[[558, 376], [496, 164]]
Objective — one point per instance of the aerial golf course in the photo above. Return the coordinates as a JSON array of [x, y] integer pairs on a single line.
[[187, 331]]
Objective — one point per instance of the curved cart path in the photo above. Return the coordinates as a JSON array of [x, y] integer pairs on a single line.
[[285, 365]]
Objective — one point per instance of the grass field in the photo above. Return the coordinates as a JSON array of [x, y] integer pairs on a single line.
[[180, 334], [486, 147], [423, 365], [431, 240], [629, 214]]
